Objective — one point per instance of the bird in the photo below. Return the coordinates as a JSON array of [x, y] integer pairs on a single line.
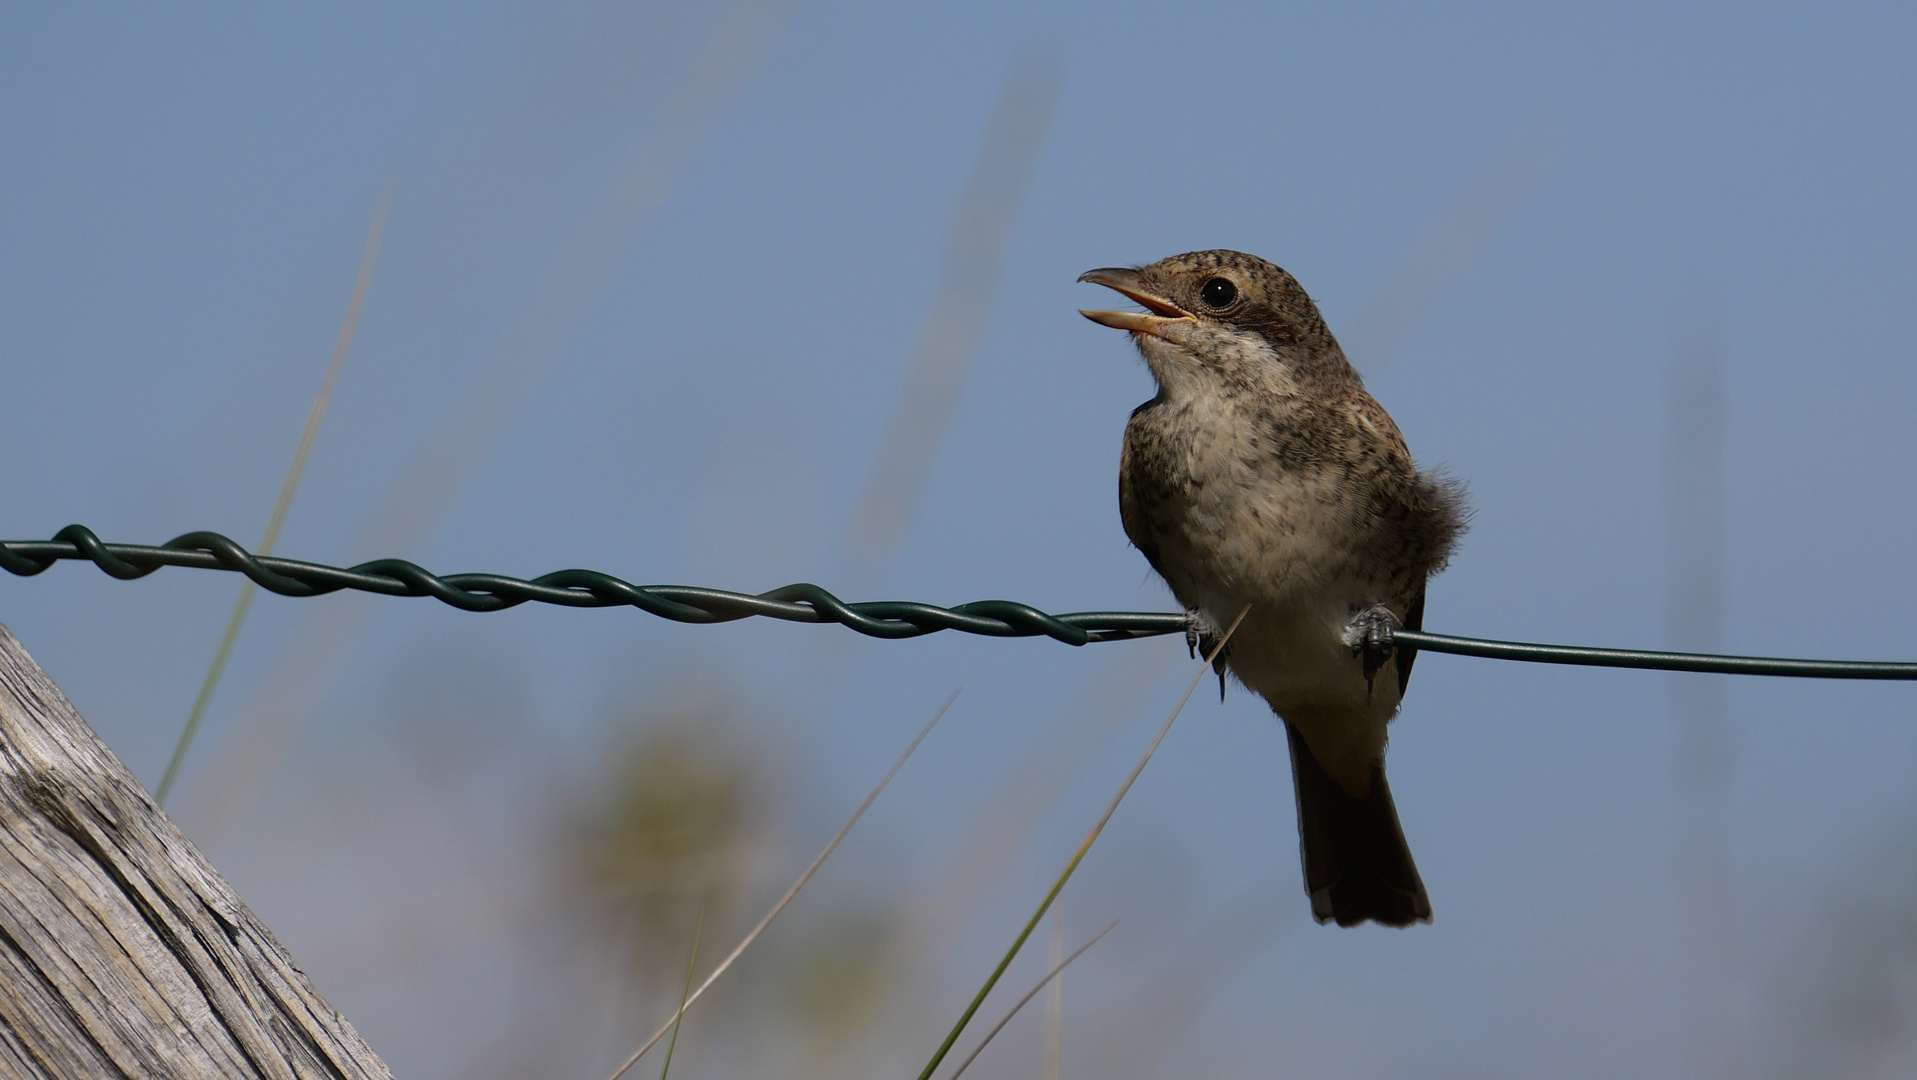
[[1271, 491]]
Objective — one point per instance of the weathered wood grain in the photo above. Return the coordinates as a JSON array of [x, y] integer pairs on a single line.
[[122, 952]]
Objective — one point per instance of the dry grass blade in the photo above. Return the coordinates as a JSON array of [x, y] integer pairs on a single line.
[[936, 379], [796, 886], [288, 488], [1078, 856], [1029, 995], [691, 962], [1454, 238]]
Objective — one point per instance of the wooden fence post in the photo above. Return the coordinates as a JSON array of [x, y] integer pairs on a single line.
[[122, 952]]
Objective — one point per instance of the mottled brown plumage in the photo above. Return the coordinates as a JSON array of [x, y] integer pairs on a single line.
[[1263, 478]]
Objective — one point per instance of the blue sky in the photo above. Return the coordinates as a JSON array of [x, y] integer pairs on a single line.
[[185, 202]]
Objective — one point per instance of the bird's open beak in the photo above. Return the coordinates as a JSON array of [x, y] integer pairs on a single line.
[[1161, 314]]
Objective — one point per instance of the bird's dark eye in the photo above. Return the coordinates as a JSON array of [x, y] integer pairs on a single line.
[[1218, 293]]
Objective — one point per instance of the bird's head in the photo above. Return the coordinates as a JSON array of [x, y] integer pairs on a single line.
[[1221, 314]]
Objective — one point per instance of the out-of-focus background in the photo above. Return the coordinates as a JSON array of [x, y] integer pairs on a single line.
[[750, 293]]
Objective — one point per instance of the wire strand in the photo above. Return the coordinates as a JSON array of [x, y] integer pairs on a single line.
[[807, 603]]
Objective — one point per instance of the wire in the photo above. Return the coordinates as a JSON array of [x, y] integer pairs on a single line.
[[1585, 656], [582, 588], [805, 603]]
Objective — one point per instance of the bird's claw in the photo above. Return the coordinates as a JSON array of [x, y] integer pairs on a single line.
[[1370, 635], [1202, 636]]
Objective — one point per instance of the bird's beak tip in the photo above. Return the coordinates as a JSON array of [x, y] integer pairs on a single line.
[[1112, 277], [1131, 285]]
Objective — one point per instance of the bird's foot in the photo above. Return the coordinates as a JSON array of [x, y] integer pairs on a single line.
[[1369, 633], [1202, 636]]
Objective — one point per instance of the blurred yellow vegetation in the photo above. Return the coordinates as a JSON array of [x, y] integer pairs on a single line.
[[677, 828]]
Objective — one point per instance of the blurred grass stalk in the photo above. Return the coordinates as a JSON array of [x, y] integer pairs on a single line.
[[1449, 245], [973, 255], [1078, 856], [1704, 764], [583, 270], [778, 907], [288, 488]]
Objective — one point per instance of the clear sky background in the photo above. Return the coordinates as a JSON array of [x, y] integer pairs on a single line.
[[664, 272]]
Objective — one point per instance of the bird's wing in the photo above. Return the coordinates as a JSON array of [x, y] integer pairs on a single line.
[[1137, 528], [1407, 655], [1135, 524]]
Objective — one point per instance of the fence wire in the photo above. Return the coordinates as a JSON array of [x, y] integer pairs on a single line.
[[805, 603]]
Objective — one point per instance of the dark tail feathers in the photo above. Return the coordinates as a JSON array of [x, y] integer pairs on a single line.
[[1357, 864]]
